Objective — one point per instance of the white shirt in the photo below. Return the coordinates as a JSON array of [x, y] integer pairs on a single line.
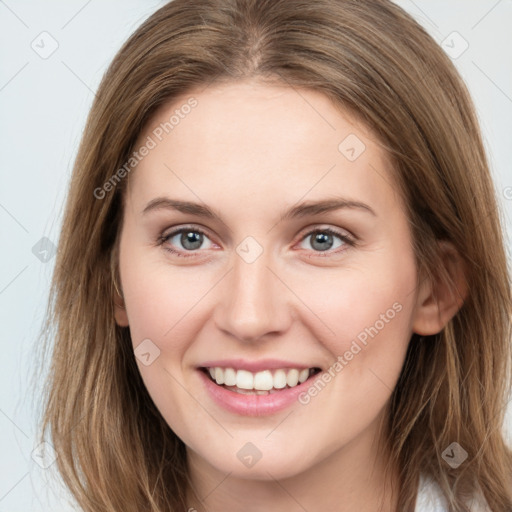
[[431, 499]]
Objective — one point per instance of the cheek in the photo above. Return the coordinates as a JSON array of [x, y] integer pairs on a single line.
[[369, 309], [162, 306], [366, 310], [160, 299]]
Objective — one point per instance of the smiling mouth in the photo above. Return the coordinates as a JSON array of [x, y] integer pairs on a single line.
[[265, 382]]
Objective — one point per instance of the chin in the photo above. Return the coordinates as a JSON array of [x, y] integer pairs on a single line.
[[269, 467]]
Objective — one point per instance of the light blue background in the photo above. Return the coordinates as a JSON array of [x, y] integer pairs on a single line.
[[44, 104]]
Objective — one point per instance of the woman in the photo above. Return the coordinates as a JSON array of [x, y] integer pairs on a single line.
[[281, 282]]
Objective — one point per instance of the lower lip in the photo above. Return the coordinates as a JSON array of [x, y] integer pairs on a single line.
[[254, 405]]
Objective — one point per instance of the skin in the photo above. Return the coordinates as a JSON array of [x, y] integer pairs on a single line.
[[250, 151]]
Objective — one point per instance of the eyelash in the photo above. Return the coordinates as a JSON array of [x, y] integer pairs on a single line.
[[344, 238]]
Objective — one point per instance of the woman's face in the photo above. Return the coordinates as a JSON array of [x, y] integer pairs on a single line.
[[295, 255]]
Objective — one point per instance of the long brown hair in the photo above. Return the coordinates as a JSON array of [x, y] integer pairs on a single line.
[[115, 450]]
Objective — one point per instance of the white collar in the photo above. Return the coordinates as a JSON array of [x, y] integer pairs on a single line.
[[431, 499]]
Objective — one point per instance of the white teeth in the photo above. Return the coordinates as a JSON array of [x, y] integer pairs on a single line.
[[292, 378], [262, 382], [219, 376], [244, 379], [280, 379], [303, 375], [229, 377]]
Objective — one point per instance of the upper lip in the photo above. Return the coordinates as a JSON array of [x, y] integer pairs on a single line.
[[255, 366]]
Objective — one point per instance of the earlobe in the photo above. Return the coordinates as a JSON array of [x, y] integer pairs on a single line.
[[440, 299], [119, 305], [120, 311]]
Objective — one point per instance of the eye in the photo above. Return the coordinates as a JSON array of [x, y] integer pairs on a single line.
[[189, 238], [322, 241]]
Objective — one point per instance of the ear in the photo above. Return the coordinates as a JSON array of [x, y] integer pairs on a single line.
[[120, 310], [438, 301], [119, 306]]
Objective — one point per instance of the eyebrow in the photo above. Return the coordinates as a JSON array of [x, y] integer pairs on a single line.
[[301, 210]]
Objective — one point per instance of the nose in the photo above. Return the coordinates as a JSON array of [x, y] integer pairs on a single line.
[[252, 301]]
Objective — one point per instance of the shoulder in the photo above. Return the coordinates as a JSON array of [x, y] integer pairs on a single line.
[[431, 499]]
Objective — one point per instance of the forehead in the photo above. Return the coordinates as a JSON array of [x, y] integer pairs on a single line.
[[251, 137]]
